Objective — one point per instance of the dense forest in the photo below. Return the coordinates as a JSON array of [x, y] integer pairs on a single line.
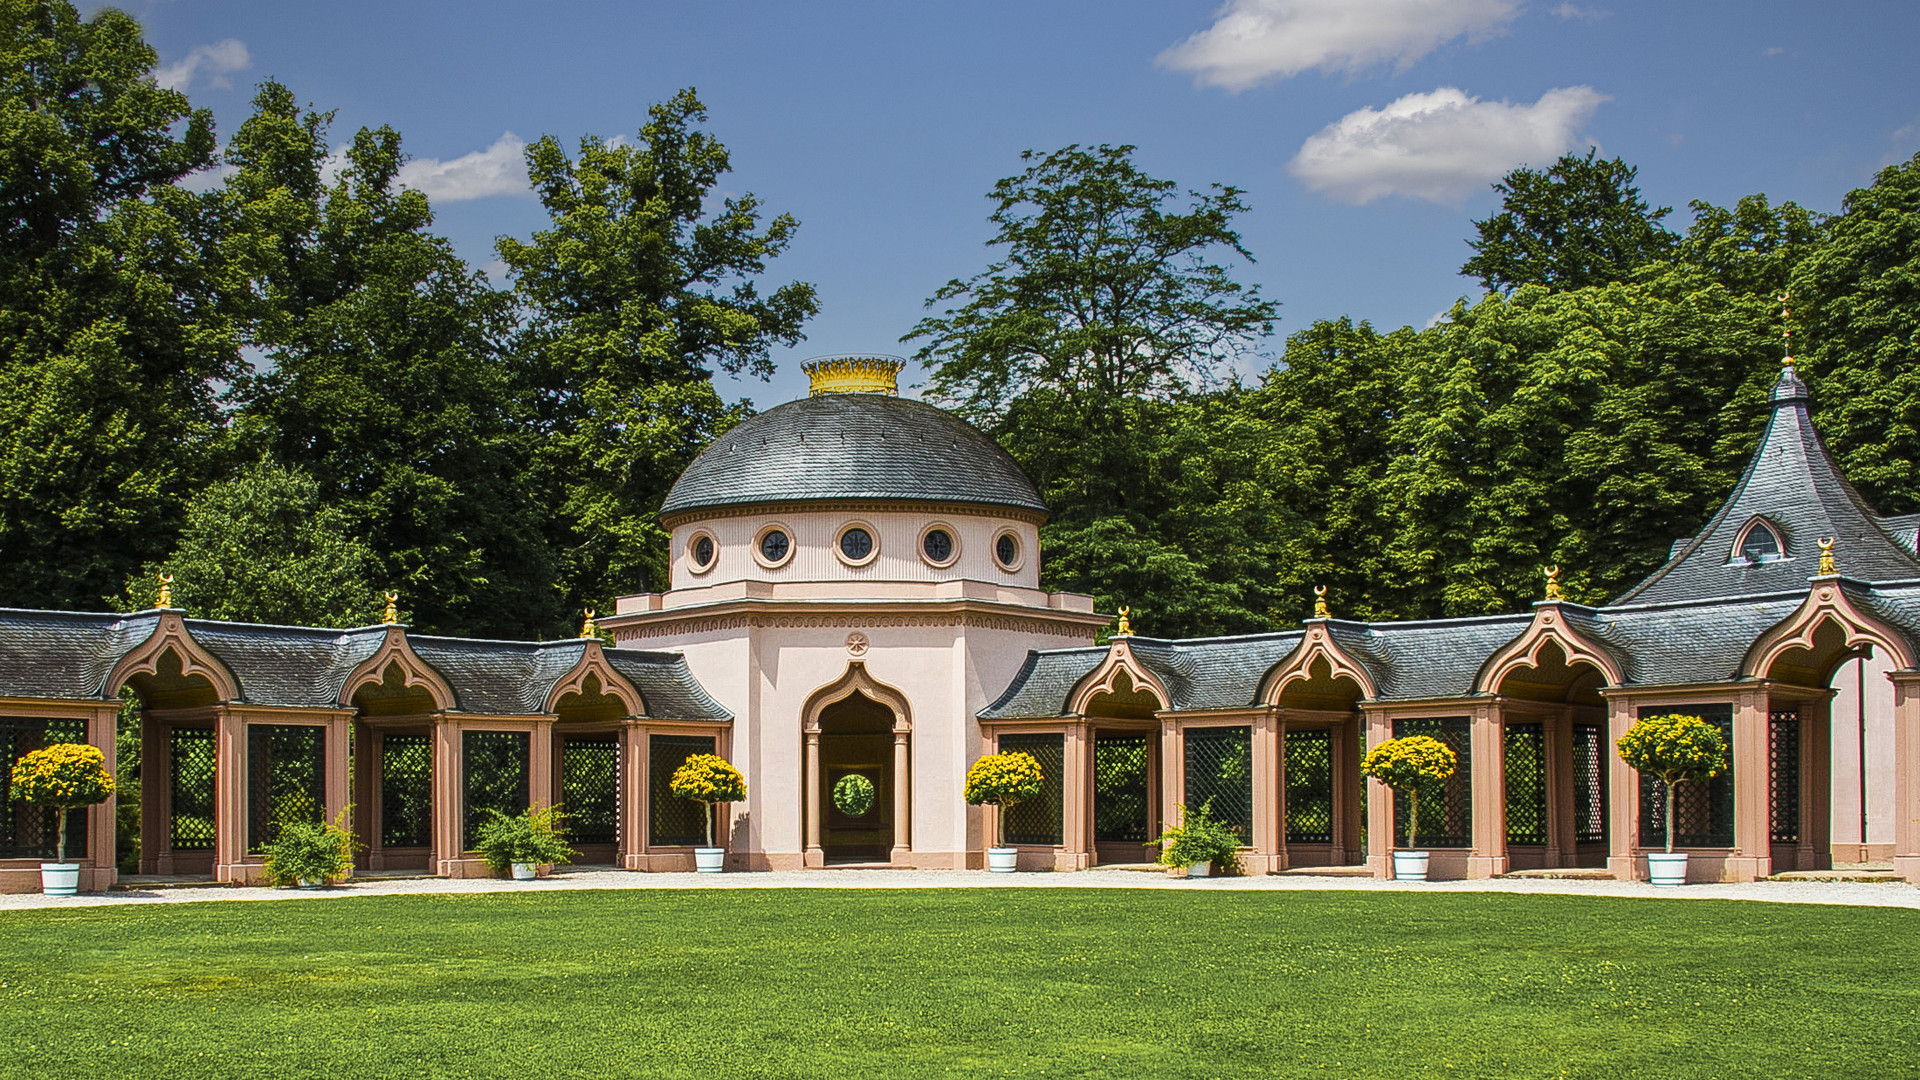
[[287, 391]]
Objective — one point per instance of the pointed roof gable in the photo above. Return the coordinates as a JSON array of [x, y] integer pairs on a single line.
[[1792, 482]]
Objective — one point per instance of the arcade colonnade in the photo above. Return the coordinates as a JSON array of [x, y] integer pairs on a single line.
[[242, 726], [1271, 729]]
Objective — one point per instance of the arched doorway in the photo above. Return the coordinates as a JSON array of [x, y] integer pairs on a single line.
[[1555, 760], [180, 825], [858, 727], [1126, 771], [1322, 807]]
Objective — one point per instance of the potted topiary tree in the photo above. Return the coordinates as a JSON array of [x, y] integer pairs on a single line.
[[62, 777], [1410, 765], [522, 843], [311, 854], [708, 779], [1676, 748], [1199, 844], [1003, 780]]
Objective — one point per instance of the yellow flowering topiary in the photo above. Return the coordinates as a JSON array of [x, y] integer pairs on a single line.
[[1676, 748], [1410, 765], [1003, 780], [708, 779], [61, 777]]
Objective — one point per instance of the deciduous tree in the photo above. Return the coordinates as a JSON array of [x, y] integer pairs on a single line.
[[1580, 222]]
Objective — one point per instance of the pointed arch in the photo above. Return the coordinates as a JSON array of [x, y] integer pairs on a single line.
[[1549, 627], [1317, 656], [1760, 540], [171, 635], [414, 673], [1120, 664], [856, 680], [1854, 631], [593, 669]]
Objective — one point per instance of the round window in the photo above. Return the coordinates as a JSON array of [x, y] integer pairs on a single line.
[[703, 551], [774, 545], [1007, 550], [856, 543], [938, 544]]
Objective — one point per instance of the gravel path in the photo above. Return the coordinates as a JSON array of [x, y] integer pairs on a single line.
[[1866, 894]]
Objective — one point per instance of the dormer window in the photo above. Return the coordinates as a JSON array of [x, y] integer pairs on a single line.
[[1761, 544]]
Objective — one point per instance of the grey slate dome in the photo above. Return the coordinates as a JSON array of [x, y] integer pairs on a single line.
[[846, 446]]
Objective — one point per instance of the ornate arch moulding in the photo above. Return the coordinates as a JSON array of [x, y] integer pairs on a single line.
[[171, 634], [1316, 644], [414, 671], [1105, 679], [593, 664], [856, 680], [1826, 601], [1549, 625]]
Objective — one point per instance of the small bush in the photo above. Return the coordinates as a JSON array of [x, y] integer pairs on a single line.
[[62, 777], [708, 779], [319, 851], [1411, 765], [1200, 838], [1676, 748], [531, 836]]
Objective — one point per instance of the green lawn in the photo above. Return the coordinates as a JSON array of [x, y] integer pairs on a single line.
[[949, 982]]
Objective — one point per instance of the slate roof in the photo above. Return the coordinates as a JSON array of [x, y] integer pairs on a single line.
[[852, 446], [68, 655], [1793, 482]]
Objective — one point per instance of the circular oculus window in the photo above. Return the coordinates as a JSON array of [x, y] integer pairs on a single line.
[[856, 544], [937, 545], [700, 552], [1006, 551], [773, 547]]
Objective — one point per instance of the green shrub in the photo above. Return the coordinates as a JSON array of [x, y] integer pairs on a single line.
[[319, 851], [531, 836], [1199, 837], [1003, 780], [62, 777]]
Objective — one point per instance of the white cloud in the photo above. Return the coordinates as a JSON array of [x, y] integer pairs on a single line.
[[1252, 41], [1584, 14], [207, 179], [498, 170], [1440, 146], [212, 63]]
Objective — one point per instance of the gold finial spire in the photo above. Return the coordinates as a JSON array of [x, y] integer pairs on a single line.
[[1320, 610], [166, 591], [1126, 626], [589, 628], [854, 374], [1553, 584], [1827, 568], [392, 615], [1786, 329]]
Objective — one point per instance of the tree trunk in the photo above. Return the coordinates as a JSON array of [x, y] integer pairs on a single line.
[[1669, 785], [60, 847], [709, 817], [1413, 819]]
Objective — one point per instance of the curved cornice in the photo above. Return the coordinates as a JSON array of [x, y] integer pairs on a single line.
[[1105, 678], [1827, 600], [593, 664], [171, 633], [1549, 625], [1316, 643], [413, 670], [856, 680]]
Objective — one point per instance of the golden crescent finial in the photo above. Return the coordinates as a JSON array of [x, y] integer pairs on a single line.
[[1320, 609], [1786, 328], [1827, 568], [1553, 584], [1126, 626], [589, 628], [165, 599], [391, 616]]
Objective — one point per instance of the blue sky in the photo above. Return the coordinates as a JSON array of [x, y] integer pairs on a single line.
[[1365, 132]]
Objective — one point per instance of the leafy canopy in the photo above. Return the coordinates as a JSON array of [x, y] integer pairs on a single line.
[[1581, 222]]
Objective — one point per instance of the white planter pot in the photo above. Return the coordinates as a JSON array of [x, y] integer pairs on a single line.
[[1410, 865], [308, 883], [525, 871], [1002, 860], [59, 878], [709, 860], [1200, 869], [1667, 869]]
